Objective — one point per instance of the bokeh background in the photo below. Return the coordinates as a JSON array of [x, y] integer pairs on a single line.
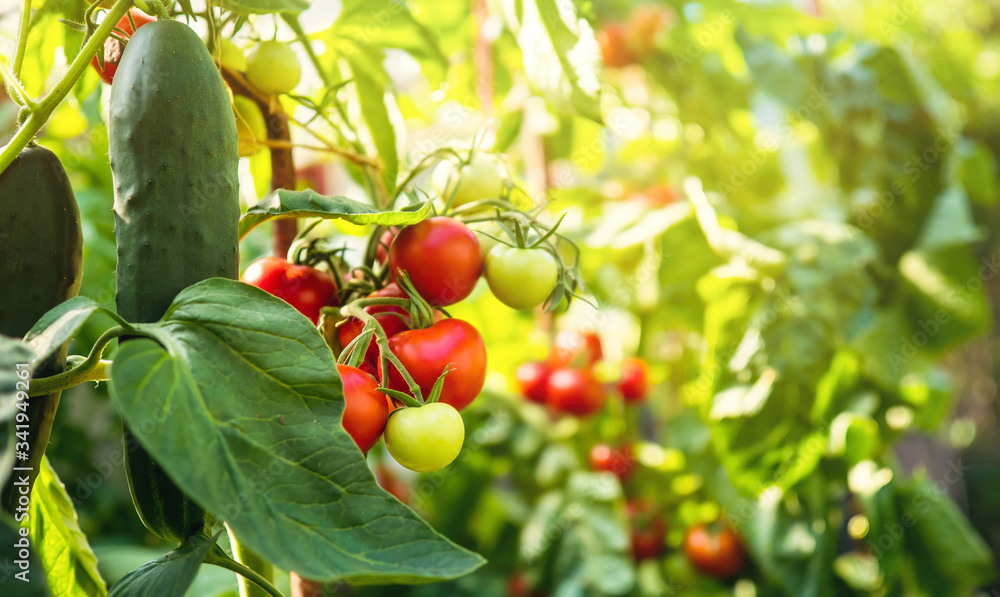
[[787, 209]]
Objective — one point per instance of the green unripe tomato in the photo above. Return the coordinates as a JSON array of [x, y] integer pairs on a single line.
[[250, 125], [229, 55], [482, 178], [521, 278], [273, 67], [427, 438]]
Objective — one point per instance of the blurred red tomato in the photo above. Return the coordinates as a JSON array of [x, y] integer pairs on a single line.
[[634, 384], [532, 378], [574, 391], [575, 349], [613, 39], [604, 458], [715, 549], [648, 530]]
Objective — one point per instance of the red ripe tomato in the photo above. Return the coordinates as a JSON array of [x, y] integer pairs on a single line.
[[613, 39], [715, 549], [648, 530], [532, 378], [113, 48], [305, 288], [575, 349], [574, 391], [392, 484], [441, 256], [425, 353], [604, 458], [634, 384], [369, 369], [391, 324], [365, 411]]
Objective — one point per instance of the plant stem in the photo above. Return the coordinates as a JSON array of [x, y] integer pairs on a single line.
[[250, 581], [22, 36], [15, 90], [91, 369], [41, 112], [356, 309], [252, 587]]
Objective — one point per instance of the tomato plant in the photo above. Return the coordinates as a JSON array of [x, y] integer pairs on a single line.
[[426, 438], [770, 228], [305, 288], [441, 257]]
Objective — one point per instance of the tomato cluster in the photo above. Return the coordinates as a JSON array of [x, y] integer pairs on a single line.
[[566, 382], [407, 368]]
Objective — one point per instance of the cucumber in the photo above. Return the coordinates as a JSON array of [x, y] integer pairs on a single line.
[[41, 265], [173, 150]]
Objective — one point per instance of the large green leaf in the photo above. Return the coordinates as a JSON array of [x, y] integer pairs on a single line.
[[310, 204], [560, 53], [241, 404], [70, 565], [167, 576], [255, 7]]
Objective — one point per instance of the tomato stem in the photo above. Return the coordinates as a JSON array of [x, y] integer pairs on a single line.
[[356, 309], [43, 110], [90, 369], [15, 90], [245, 568], [22, 37]]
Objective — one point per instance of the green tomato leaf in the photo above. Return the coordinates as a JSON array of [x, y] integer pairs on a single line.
[[396, 28], [259, 7], [309, 203], [70, 565], [375, 112], [560, 53], [240, 402], [170, 575], [60, 324]]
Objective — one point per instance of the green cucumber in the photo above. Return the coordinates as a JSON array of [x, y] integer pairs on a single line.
[[41, 264], [173, 150]]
